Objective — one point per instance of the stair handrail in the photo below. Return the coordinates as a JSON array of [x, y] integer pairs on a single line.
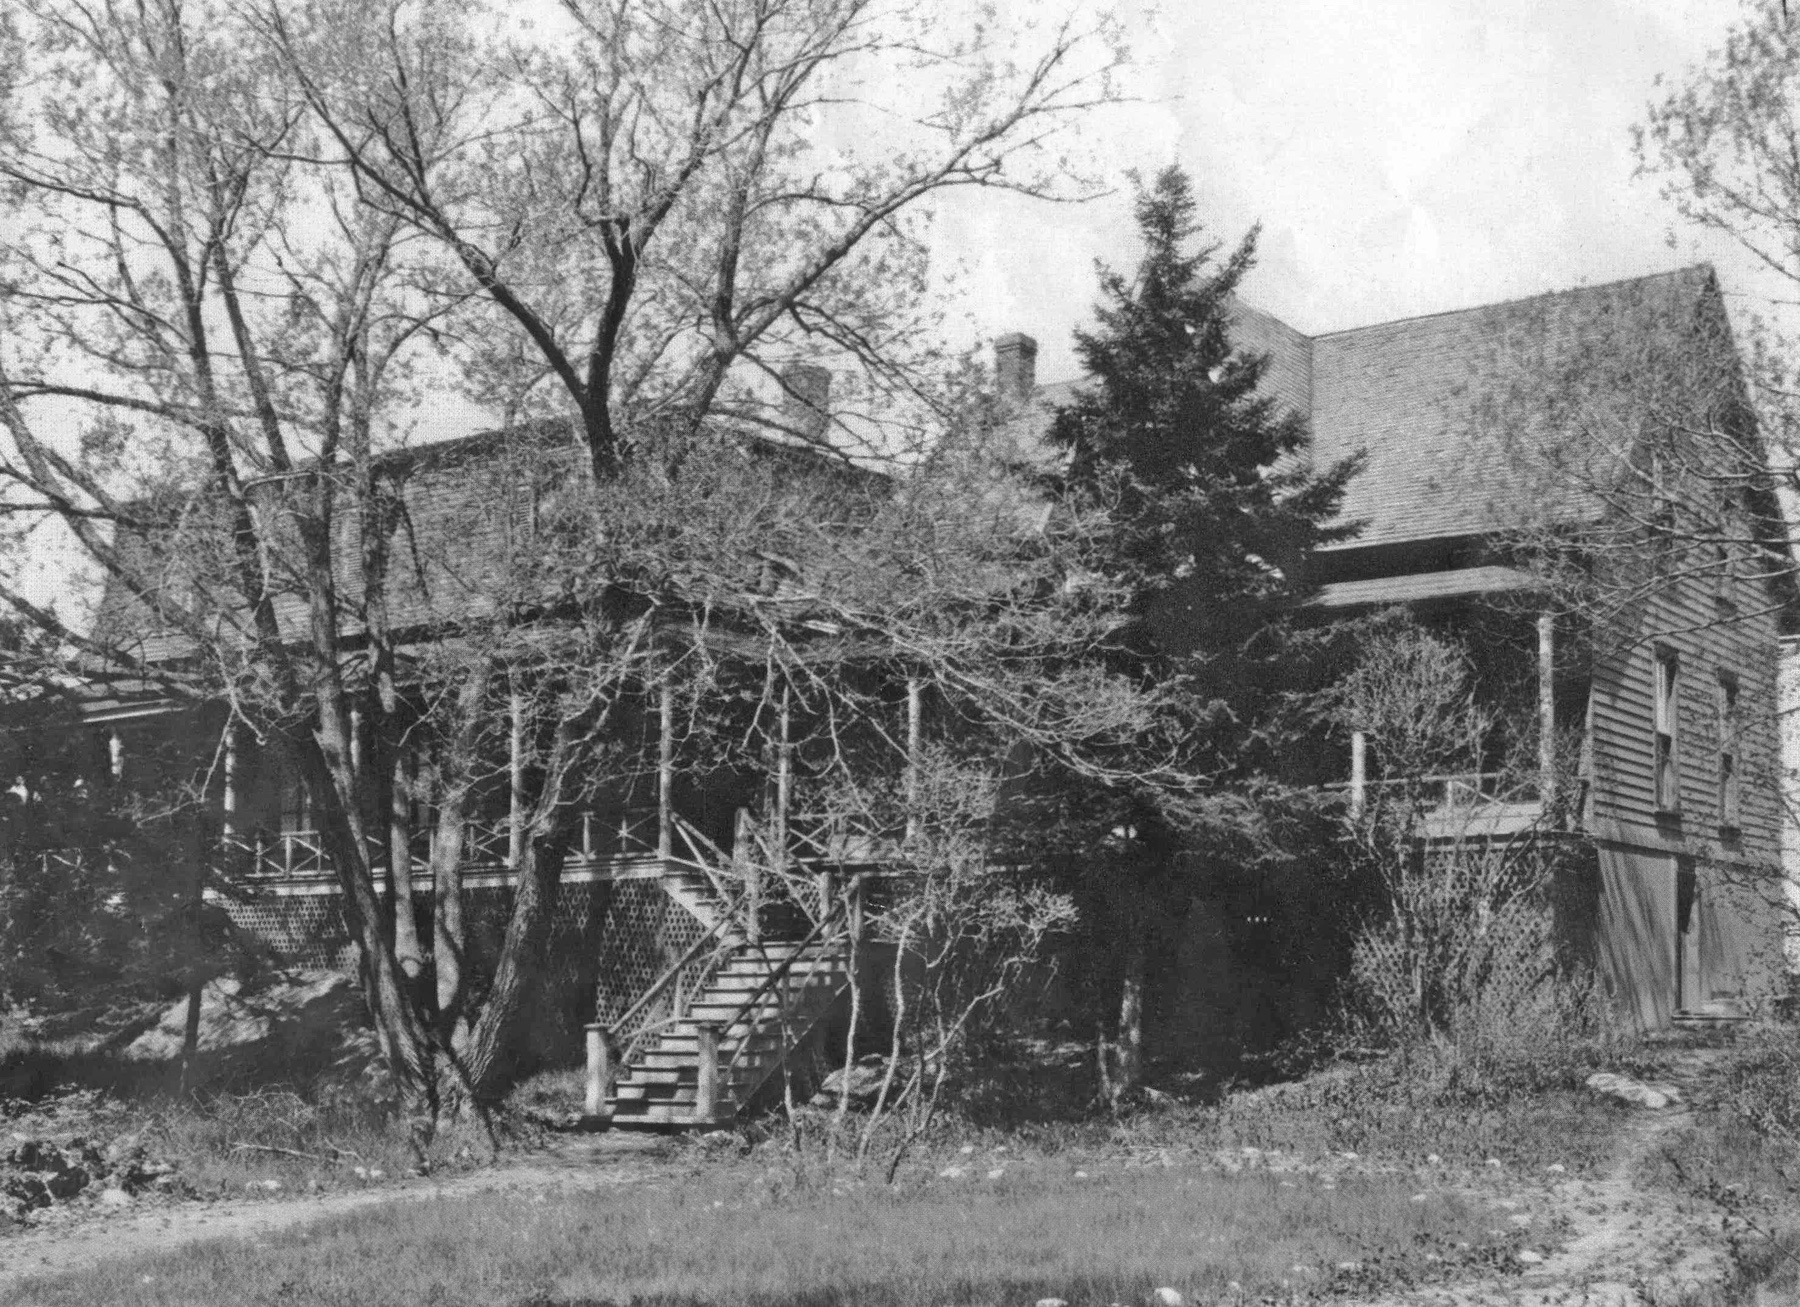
[[663, 981], [774, 978]]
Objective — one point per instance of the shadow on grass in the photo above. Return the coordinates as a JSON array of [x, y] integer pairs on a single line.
[[1076, 1289]]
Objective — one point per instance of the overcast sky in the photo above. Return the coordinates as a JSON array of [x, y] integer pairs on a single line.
[[1403, 157]]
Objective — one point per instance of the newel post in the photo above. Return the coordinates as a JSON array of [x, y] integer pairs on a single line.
[[706, 1087], [600, 1071]]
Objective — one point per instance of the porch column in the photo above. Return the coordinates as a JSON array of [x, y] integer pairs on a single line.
[[665, 771], [515, 811], [1546, 694], [1359, 771], [115, 755], [228, 804], [915, 731]]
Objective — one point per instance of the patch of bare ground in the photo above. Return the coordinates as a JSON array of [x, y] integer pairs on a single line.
[[1624, 1243], [573, 1164]]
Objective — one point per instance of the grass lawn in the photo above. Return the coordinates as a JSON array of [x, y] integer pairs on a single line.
[[745, 1235]]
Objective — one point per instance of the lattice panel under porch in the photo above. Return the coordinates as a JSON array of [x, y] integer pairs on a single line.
[[306, 931], [641, 933]]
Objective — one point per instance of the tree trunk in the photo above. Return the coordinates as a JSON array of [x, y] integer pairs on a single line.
[[492, 1052], [447, 942], [196, 973], [455, 780], [405, 1042], [1128, 1067], [408, 950]]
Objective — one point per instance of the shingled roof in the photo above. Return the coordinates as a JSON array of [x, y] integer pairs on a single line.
[[465, 547], [1489, 418], [1476, 420]]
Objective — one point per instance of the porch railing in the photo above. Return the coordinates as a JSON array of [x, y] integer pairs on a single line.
[[1450, 790], [299, 854]]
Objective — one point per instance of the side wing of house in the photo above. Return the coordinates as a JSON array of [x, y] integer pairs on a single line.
[[1684, 801], [1684, 753], [1606, 427]]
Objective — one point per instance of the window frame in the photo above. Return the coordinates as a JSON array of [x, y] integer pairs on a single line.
[[1665, 736], [1730, 770]]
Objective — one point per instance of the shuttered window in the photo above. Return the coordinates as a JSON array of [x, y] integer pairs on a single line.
[[1731, 781], [1668, 731]]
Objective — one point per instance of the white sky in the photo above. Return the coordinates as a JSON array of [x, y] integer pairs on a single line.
[[1403, 156]]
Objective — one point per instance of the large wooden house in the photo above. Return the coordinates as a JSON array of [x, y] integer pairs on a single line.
[[1496, 439], [1574, 481]]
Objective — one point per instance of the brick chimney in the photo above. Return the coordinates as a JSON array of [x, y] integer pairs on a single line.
[[1015, 366], [806, 399]]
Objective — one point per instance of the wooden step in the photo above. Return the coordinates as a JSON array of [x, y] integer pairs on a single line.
[[678, 1116]]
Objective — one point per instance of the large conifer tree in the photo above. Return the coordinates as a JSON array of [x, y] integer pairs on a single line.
[[1220, 505]]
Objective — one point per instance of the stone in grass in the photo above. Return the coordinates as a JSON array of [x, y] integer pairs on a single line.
[[1528, 1258], [1633, 1092], [952, 1173], [1167, 1297], [114, 1198], [996, 1173], [1052, 1302]]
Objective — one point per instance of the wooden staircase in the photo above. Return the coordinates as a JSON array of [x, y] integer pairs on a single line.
[[753, 1003], [763, 1002]]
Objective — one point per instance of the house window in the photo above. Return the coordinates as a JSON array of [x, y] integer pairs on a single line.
[[1660, 516], [1667, 762], [1724, 574], [296, 805], [1730, 748]]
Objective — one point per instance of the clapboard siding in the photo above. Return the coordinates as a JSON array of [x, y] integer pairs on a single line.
[[1683, 614]]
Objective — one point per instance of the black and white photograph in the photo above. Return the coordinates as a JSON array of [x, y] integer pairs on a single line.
[[848, 653]]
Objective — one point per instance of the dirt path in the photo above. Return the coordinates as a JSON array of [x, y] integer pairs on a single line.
[[595, 1162], [1627, 1246]]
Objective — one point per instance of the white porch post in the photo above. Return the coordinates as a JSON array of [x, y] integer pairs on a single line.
[[665, 771], [915, 732], [515, 812], [1359, 771], [228, 804], [1546, 694]]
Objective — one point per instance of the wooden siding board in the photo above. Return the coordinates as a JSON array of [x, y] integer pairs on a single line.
[[1684, 616], [1636, 936]]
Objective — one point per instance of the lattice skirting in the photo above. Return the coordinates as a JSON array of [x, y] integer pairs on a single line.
[[610, 940]]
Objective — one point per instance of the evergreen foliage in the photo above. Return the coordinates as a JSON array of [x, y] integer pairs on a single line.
[[1209, 474], [1217, 506]]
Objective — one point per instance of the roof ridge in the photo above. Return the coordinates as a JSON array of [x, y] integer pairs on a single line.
[[1666, 275]]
